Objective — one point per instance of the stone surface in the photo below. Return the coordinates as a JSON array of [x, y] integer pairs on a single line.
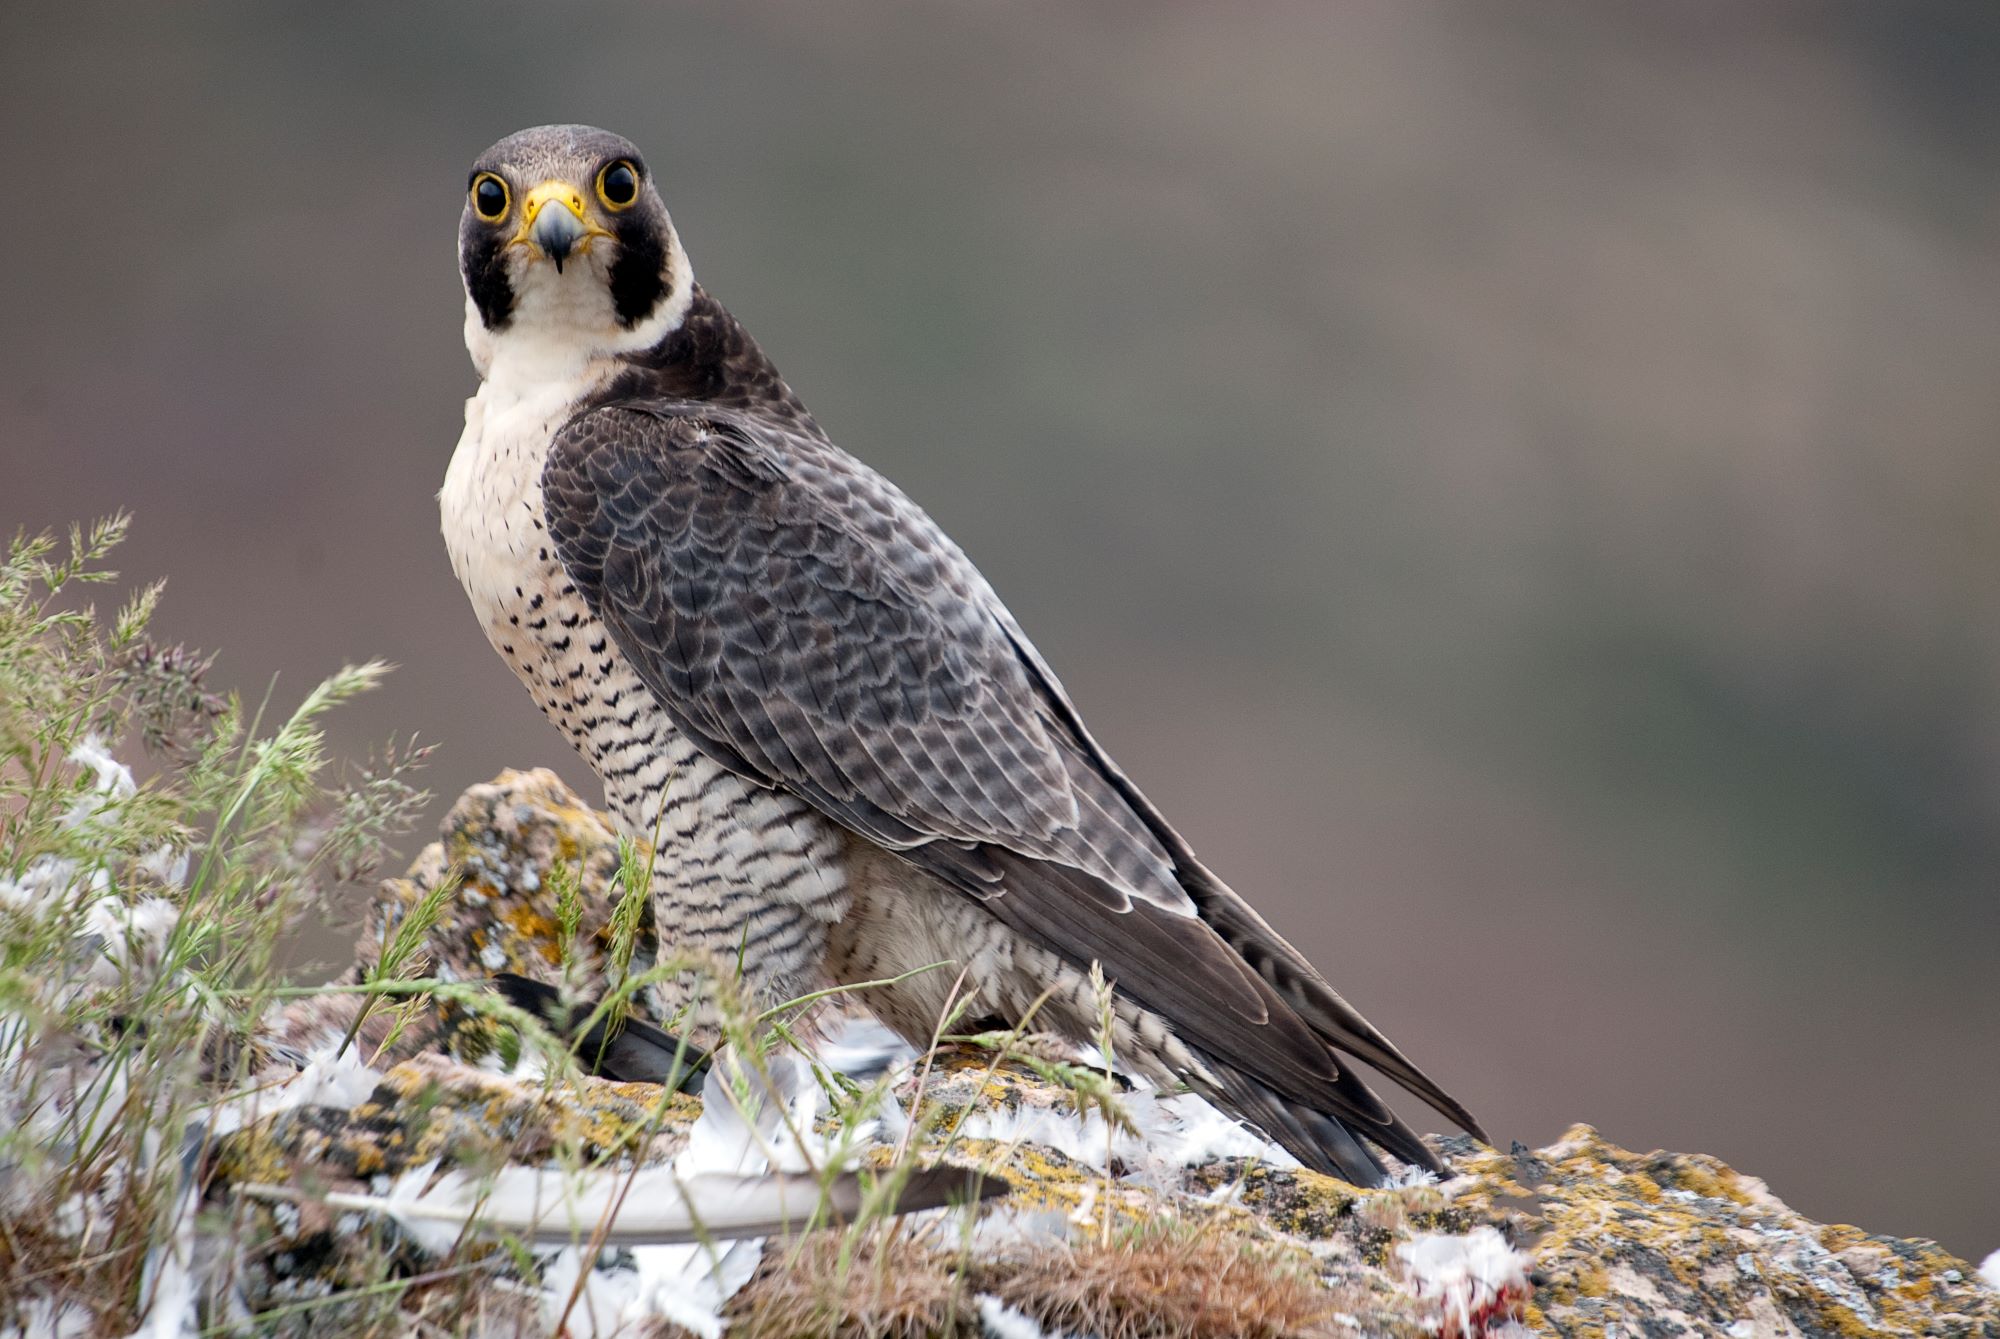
[[1131, 1213]]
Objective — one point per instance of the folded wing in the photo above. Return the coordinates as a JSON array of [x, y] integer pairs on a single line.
[[811, 629]]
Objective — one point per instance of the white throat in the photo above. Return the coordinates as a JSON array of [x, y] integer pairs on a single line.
[[563, 325], [562, 345]]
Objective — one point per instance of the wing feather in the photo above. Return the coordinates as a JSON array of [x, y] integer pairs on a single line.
[[808, 626], [801, 614]]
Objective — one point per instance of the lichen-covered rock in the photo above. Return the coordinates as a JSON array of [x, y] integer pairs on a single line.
[[1132, 1212], [500, 843], [1676, 1243]]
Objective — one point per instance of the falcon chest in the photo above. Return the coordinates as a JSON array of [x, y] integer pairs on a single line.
[[491, 508], [740, 869]]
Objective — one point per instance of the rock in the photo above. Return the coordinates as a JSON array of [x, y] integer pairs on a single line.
[[1131, 1212], [1677, 1243]]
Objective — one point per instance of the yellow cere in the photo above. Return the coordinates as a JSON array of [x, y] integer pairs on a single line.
[[556, 191]]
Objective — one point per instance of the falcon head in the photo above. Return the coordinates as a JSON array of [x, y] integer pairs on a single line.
[[564, 235]]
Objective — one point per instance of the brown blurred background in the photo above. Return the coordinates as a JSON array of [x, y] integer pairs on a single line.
[[1517, 483]]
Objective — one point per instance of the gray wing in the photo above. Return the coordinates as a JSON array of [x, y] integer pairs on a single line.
[[810, 628], [811, 622]]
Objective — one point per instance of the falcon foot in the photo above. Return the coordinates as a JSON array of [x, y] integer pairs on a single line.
[[633, 1052]]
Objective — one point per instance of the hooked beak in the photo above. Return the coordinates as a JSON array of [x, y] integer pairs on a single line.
[[555, 232], [553, 222]]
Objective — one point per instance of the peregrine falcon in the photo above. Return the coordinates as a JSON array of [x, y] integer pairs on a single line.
[[848, 757]]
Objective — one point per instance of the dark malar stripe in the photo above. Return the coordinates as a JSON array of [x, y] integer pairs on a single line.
[[639, 277], [482, 257]]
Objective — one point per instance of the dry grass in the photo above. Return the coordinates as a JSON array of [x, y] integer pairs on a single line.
[[826, 1285], [1174, 1281]]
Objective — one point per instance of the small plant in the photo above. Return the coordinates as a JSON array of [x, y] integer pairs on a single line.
[[142, 921]]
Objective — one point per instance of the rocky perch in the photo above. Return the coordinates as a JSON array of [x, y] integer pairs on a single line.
[[1128, 1213]]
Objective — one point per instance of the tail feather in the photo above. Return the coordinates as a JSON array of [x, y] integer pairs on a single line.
[[1303, 1001], [1302, 988], [1321, 1141]]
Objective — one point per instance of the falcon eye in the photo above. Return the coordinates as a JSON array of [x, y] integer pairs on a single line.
[[489, 197], [618, 185]]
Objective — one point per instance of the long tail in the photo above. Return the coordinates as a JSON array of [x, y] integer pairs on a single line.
[[1320, 1141], [1301, 987]]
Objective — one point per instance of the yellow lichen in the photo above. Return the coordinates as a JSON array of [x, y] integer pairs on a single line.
[[1645, 1187], [1718, 1182], [535, 931]]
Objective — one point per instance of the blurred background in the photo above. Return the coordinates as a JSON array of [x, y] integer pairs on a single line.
[[1516, 482]]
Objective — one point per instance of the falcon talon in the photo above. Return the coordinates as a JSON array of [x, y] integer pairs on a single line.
[[856, 761], [632, 1052]]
